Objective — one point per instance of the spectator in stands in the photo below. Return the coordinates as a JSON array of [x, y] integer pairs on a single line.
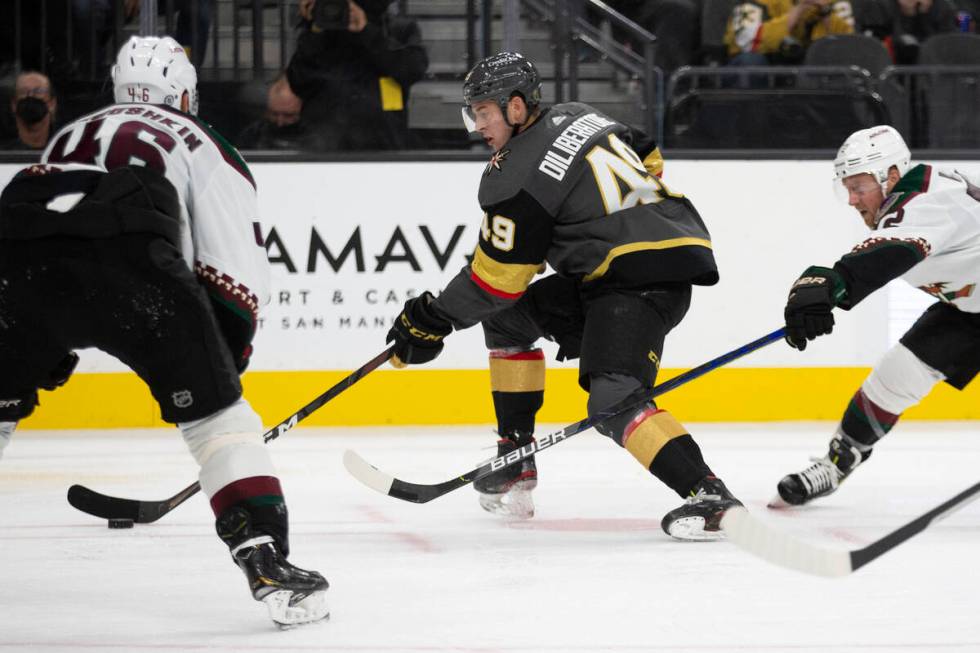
[[282, 127], [967, 15], [352, 68], [191, 30], [54, 57], [675, 23], [33, 106], [903, 24], [762, 32]]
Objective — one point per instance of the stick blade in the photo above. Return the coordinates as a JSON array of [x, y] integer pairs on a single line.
[[100, 505], [756, 537], [367, 473]]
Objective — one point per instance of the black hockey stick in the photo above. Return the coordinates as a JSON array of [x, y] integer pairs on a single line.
[[779, 548], [384, 483], [144, 512]]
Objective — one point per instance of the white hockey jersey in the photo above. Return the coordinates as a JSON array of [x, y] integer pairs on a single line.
[[220, 234], [938, 214]]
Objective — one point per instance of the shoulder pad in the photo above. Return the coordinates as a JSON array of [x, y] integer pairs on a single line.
[[542, 160]]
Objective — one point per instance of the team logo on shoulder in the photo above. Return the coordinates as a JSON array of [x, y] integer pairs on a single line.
[[496, 159], [182, 398]]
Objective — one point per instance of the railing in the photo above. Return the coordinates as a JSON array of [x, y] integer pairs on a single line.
[[570, 27], [85, 43], [932, 106]]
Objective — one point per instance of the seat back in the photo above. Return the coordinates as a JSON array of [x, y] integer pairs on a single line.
[[848, 50]]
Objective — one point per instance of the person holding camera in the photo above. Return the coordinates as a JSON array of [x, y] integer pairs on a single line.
[[353, 66]]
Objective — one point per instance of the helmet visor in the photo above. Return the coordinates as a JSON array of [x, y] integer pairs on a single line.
[[469, 118], [858, 186]]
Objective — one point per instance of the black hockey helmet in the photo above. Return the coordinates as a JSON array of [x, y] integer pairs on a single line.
[[500, 77]]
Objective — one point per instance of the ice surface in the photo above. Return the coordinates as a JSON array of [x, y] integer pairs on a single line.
[[591, 572]]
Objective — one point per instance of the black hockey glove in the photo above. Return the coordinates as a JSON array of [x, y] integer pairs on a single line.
[[809, 309], [61, 373], [418, 332]]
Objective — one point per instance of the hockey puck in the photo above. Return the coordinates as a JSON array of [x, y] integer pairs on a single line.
[[121, 523]]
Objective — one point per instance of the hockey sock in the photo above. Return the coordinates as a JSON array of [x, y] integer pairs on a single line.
[[664, 447], [6, 432], [517, 383], [898, 381], [865, 422]]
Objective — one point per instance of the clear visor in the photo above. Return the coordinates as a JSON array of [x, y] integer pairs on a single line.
[[859, 187], [469, 118]]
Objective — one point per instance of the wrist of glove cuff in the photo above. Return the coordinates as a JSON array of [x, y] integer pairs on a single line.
[[809, 308], [418, 332], [816, 275], [61, 373]]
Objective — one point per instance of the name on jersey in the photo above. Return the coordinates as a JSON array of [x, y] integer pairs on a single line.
[[562, 151], [183, 131]]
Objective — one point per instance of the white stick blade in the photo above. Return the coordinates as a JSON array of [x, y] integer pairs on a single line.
[[756, 537], [367, 473]]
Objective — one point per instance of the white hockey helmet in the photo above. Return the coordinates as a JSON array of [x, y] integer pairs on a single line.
[[154, 70], [874, 150]]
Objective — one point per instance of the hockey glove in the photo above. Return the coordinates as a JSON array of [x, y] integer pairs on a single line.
[[418, 332], [809, 309], [61, 373]]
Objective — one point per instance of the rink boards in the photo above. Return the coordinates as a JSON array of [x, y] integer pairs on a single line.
[[350, 242]]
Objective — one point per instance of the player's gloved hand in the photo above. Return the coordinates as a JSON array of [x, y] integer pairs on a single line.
[[61, 373], [809, 309], [418, 332]]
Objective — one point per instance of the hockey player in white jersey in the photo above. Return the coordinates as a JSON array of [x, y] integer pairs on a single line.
[[137, 234], [925, 229]]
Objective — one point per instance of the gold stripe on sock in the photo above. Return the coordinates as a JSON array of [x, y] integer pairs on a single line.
[[645, 439], [509, 375]]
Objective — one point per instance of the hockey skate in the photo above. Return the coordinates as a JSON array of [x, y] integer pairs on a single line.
[[699, 519], [292, 595], [821, 478], [507, 492]]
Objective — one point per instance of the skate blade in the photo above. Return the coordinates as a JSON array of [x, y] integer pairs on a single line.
[[691, 529], [310, 609], [779, 503], [515, 504]]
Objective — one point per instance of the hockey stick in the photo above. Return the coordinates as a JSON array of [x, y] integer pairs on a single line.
[[384, 483], [779, 548], [145, 512]]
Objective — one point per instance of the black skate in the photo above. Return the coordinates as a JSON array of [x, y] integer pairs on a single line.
[[293, 595], [821, 478], [507, 492], [699, 518]]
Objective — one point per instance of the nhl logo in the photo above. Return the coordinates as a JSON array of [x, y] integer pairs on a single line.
[[182, 398]]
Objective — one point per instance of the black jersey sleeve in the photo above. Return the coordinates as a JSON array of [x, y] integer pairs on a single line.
[[873, 264], [647, 149], [514, 241]]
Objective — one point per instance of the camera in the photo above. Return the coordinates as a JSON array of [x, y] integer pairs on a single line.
[[331, 15]]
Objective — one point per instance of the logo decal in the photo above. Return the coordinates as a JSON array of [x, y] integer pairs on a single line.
[[939, 291], [495, 160], [182, 398]]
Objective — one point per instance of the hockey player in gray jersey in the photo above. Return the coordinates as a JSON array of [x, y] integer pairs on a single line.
[[565, 186], [925, 228], [137, 234]]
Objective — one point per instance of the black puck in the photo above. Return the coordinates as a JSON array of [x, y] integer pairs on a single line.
[[121, 523]]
